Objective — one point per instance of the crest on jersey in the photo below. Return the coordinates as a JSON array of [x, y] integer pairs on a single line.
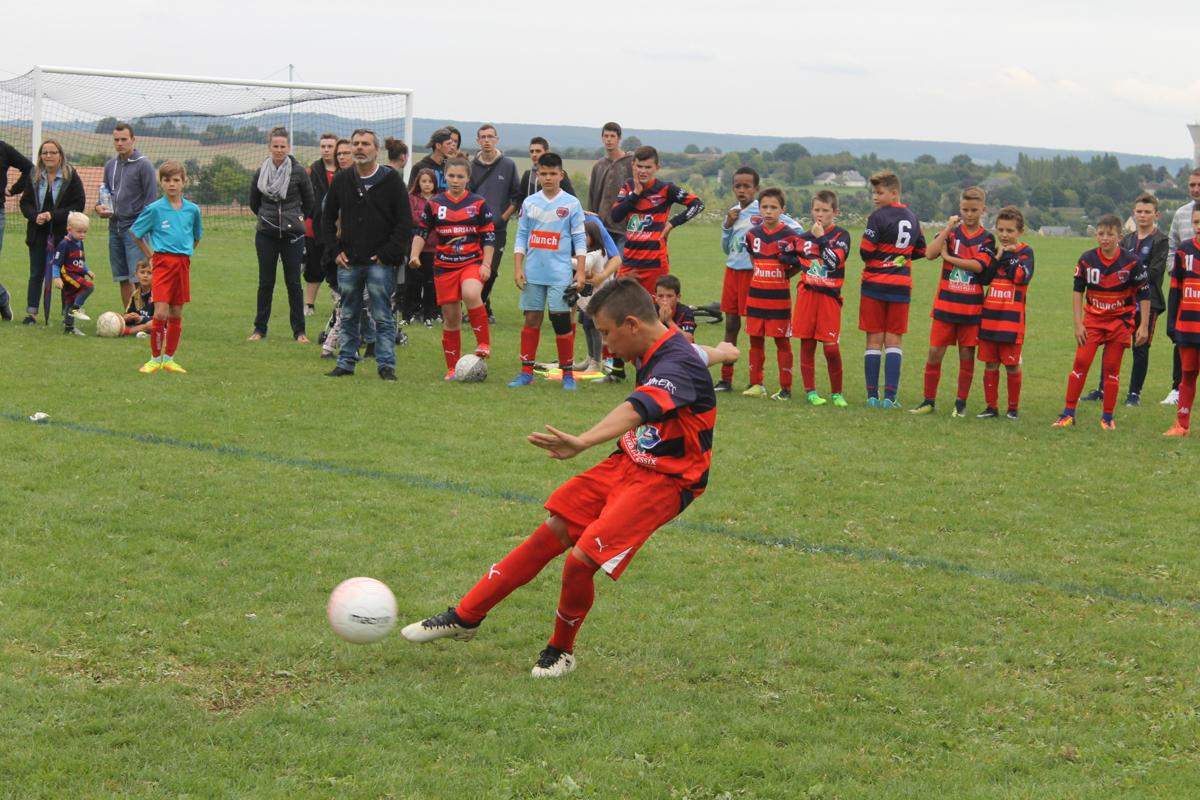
[[756, 220], [1123, 275], [648, 437], [959, 275], [562, 212]]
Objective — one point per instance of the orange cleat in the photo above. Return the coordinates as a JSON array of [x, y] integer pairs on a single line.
[[1108, 425], [1065, 421], [449, 375], [484, 351], [1177, 430]]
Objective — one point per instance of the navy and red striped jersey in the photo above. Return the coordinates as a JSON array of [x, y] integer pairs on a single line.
[[678, 407], [772, 253], [684, 318], [1183, 303], [1113, 286], [463, 226], [892, 240], [645, 216], [824, 261], [1008, 278], [959, 298], [69, 262]]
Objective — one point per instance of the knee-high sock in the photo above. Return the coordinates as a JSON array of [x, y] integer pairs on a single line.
[[529, 346], [808, 367], [158, 333], [966, 374], [574, 601], [451, 346], [783, 357], [1176, 368], [1014, 390], [758, 357], [871, 361], [1111, 365], [727, 373], [174, 331], [892, 358], [566, 350], [1187, 395], [1084, 354], [513, 571], [479, 325], [991, 387], [833, 360], [933, 375]]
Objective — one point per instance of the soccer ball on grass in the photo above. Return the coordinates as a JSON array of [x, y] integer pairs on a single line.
[[110, 325], [361, 610], [470, 369]]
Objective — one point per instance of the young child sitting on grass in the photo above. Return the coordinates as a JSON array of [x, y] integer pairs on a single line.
[[140, 314]]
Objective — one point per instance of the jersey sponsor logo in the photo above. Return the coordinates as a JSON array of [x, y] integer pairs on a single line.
[[647, 437], [544, 240], [959, 275], [562, 212], [1101, 305], [1004, 295], [639, 222], [663, 383]]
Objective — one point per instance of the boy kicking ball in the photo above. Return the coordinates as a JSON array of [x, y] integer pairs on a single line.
[[601, 517], [167, 232]]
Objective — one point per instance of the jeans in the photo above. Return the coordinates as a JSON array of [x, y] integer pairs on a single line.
[[380, 282], [123, 252], [271, 250], [37, 276]]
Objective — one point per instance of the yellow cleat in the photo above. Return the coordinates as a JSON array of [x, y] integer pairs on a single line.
[[1064, 421], [170, 365], [153, 365], [757, 390]]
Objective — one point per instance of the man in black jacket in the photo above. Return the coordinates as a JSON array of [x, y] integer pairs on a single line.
[[9, 157], [371, 204]]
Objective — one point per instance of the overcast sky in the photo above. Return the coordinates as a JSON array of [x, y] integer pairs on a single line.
[[1072, 75]]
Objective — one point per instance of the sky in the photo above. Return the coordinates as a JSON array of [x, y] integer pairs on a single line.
[[1070, 75]]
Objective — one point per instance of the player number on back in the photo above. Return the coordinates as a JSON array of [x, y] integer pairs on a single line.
[[903, 233]]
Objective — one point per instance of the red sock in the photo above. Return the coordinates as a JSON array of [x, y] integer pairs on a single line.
[[574, 601], [758, 356], [1113, 354], [1014, 390], [783, 356], [991, 387], [1187, 395], [808, 369], [529, 346], [158, 332], [174, 331], [727, 373], [451, 346], [933, 374], [479, 325], [513, 571], [566, 350], [1079, 370], [966, 374], [833, 359]]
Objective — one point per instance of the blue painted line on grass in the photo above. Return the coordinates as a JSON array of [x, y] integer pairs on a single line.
[[864, 554]]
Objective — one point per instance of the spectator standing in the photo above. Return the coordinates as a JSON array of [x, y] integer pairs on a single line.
[[319, 175], [1180, 232], [494, 178], [609, 174], [538, 147], [281, 196], [420, 292], [442, 145], [53, 192], [9, 157], [130, 184]]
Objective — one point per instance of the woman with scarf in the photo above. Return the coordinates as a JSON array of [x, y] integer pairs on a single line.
[[281, 195], [54, 191]]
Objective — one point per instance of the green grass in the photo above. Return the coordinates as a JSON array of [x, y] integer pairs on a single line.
[[863, 605]]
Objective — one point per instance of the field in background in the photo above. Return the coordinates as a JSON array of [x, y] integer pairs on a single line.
[[863, 605]]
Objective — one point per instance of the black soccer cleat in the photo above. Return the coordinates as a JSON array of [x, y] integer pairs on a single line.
[[446, 624], [338, 372], [553, 663], [1012, 414], [988, 413], [1133, 400], [723, 386], [1093, 396], [960, 408], [387, 373]]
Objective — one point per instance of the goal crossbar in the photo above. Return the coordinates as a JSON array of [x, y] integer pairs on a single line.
[[154, 76]]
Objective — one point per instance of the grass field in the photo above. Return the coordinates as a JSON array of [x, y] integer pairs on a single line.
[[863, 605]]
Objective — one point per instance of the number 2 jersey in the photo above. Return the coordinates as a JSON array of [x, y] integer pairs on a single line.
[[824, 261], [1008, 277], [893, 238], [959, 298], [1112, 287], [464, 227], [1183, 302], [645, 216]]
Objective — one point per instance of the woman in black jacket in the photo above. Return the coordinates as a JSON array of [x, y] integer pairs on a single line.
[[53, 192], [281, 196]]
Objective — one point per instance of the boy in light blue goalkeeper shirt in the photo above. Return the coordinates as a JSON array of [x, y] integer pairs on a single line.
[[549, 256], [738, 268]]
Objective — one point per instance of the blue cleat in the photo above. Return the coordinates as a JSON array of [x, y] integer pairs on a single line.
[[522, 379], [568, 383], [872, 402], [890, 403]]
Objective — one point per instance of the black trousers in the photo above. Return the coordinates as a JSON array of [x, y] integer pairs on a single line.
[[271, 251], [419, 293], [37, 276], [497, 255]]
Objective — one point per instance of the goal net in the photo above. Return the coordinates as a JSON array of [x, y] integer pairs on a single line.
[[216, 127]]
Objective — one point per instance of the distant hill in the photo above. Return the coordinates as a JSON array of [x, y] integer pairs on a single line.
[[515, 135]]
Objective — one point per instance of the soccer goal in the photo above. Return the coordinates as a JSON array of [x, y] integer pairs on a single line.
[[216, 126]]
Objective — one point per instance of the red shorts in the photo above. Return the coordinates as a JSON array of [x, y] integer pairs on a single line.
[[448, 285], [945, 334], [172, 282], [614, 507], [735, 290], [646, 277], [774, 328], [878, 316], [1113, 331], [817, 316], [1006, 353]]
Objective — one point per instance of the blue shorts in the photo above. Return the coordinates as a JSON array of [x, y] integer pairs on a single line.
[[123, 253], [535, 296]]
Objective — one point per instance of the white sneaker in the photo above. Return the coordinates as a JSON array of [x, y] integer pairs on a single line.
[[141, 335], [79, 313], [553, 663], [1172, 398], [77, 332], [308, 310], [440, 626]]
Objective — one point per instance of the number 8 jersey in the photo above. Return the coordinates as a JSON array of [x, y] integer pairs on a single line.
[[893, 238]]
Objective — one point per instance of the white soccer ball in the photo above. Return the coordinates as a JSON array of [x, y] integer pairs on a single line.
[[110, 325], [361, 610], [470, 369]]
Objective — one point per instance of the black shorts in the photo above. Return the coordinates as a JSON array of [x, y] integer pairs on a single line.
[[314, 253]]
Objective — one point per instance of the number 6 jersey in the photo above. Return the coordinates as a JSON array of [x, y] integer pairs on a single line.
[[891, 241]]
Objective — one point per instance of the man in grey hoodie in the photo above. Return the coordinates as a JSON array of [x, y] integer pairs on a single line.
[[129, 185], [609, 174]]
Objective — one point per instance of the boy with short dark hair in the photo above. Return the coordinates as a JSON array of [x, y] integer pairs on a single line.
[[668, 292], [966, 250], [774, 249], [1002, 322], [1183, 323], [818, 313], [890, 243], [1114, 282]]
